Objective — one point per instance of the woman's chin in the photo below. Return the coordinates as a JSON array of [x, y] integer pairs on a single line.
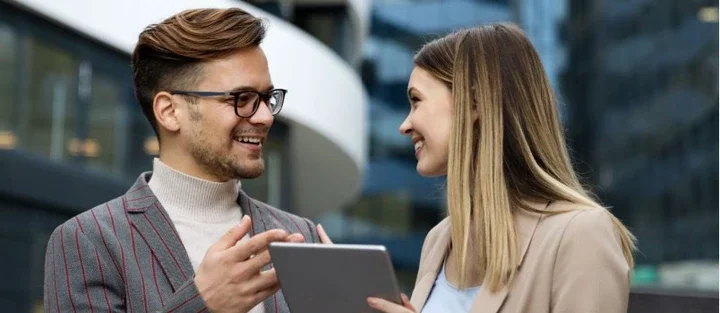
[[430, 171]]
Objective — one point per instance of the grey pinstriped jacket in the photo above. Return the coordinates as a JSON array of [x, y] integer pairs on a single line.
[[126, 256]]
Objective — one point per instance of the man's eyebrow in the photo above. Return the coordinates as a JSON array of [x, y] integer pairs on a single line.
[[249, 88]]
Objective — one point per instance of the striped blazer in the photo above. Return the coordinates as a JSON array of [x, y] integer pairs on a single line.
[[126, 256]]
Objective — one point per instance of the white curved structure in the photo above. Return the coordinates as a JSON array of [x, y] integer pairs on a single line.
[[326, 107]]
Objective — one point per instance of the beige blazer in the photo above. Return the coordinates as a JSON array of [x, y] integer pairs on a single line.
[[571, 262]]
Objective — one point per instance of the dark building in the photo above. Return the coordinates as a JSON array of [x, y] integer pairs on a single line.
[[641, 87]]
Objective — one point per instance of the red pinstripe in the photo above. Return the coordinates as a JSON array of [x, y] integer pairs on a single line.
[[112, 220], [102, 279], [57, 298], [77, 220], [166, 246], [252, 221], [141, 198], [183, 288], [82, 267], [67, 272], [138, 188], [181, 304], [265, 227], [157, 287], [277, 219], [122, 252], [167, 221], [142, 278], [102, 236]]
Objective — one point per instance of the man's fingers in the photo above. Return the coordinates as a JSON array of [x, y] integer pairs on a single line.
[[296, 237], [264, 294], [324, 238], [257, 262], [263, 280], [233, 235], [256, 244]]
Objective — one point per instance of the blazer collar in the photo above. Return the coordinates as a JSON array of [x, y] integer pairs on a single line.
[[150, 220], [485, 301]]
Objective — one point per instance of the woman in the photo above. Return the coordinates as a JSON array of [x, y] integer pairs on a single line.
[[522, 234]]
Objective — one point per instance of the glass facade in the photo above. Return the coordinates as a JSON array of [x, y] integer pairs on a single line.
[[642, 90], [59, 105], [329, 22], [8, 60], [107, 120], [47, 100]]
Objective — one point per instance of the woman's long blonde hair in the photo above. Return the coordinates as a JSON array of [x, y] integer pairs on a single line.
[[507, 145]]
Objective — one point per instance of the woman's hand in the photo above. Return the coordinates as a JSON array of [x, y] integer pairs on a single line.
[[389, 307], [323, 235]]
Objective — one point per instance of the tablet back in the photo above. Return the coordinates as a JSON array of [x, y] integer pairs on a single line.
[[333, 278]]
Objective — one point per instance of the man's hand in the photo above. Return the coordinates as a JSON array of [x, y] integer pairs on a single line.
[[229, 277], [323, 235]]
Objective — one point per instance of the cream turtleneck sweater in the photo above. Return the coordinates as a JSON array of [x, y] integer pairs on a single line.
[[202, 210]]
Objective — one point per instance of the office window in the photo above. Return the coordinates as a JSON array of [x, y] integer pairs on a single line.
[[8, 62], [105, 115], [380, 215], [329, 24], [142, 144], [48, 114]]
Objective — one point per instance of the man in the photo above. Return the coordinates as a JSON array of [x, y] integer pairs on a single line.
[[185, 237]]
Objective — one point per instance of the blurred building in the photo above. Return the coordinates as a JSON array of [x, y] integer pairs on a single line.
[[642, 92], [72, 135], [542, 21]]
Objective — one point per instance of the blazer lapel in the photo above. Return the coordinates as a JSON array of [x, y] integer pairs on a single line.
[[525, 224], [150, 220], [434, 260], [260, 223], [248, 207]]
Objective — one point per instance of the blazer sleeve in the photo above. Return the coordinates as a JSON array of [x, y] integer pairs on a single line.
[[314, 237], [186, 299], [590, 273], [78, 278]]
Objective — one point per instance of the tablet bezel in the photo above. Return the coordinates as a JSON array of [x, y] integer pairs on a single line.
[[298, 254]]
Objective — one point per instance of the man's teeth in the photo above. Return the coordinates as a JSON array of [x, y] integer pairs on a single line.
[[248, 139], [418, 145]]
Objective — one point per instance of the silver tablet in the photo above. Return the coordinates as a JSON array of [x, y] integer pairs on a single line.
[[319, 278]]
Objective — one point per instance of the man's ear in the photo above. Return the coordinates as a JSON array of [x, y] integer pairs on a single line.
[[165, 110]]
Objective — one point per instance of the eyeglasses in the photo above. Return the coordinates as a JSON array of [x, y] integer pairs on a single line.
[[246, 102]]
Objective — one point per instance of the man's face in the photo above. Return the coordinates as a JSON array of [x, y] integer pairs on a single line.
[[221, 143]]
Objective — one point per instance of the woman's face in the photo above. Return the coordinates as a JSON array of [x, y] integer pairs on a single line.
[[429, 122]]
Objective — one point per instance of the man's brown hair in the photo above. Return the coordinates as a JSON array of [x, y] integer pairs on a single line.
[[168, 55]]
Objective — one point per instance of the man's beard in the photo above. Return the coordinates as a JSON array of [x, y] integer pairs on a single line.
[[223, 164]]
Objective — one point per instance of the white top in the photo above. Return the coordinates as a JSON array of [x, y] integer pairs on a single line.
[[201, 210], [446, 298]]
